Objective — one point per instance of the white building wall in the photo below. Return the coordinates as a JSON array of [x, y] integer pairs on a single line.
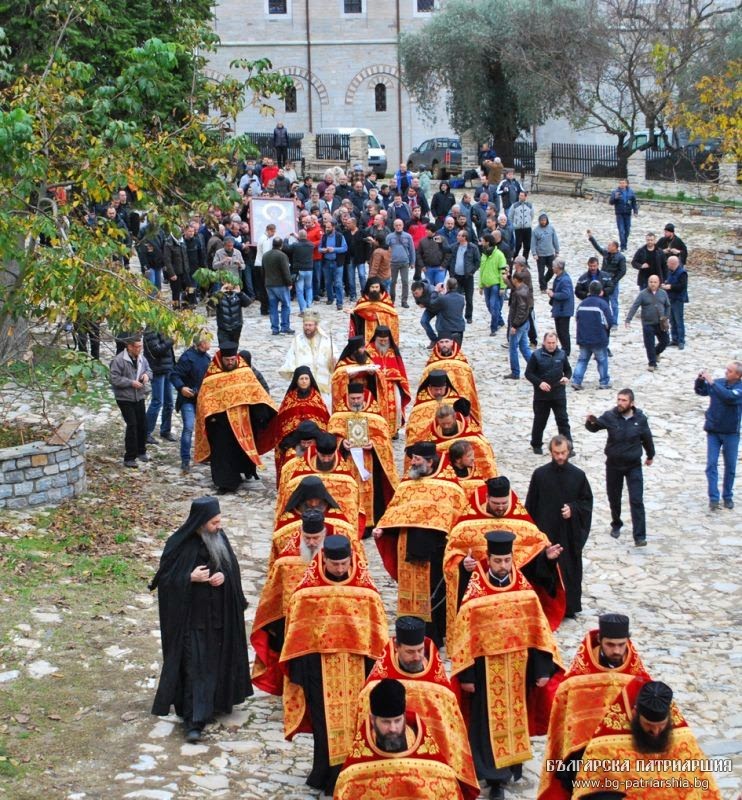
[[350, 54]]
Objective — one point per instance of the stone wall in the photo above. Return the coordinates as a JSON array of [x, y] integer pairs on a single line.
[[674, 207], [730, 262], [38, 473]]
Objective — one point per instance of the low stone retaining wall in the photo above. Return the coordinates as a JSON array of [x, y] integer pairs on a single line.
[[39, 473], [672, 206], [730, 262]]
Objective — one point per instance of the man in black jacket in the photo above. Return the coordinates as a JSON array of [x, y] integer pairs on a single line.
[[158, 350], [281, 144], [649, 260], [614, 267], [549, 371], [229, 317], [628, 432]]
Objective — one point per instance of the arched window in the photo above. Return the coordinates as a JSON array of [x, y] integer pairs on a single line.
[[380, 96], [290, 100]]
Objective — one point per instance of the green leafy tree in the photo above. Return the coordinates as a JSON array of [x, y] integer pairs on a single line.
[[66, 123]]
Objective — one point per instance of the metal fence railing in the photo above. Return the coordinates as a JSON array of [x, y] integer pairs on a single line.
[[524, 157], [264, 143], [596, 160], [333, 146], [691, 164]]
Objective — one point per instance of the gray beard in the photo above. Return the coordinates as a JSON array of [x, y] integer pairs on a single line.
[[417, 472], [216, 545], [306, 553], [413, 668], [382, 350]]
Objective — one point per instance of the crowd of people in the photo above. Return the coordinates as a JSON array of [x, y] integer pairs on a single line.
[[484, 579]]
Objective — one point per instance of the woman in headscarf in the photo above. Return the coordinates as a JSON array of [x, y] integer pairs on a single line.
[[302, 403]]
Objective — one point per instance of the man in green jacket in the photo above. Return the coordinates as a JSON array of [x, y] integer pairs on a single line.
[[492, 281]]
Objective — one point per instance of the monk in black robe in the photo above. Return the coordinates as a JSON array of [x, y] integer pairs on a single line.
[[560, 501], [205, 669]]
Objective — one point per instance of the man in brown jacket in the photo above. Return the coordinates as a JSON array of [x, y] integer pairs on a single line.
[[518, 324]]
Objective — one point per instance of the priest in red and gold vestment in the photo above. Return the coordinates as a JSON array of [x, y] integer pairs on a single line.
[[302, 405], [353, 366], [394, 755], [433, 391], [605, 662], [413, 659], [643, 749], [385, 354], [310, 493], [366, 443], [374, 308], [495, 506], [234, 417], [336, 628], [503, 657], [411, 536], [447, 355], [334, 469]]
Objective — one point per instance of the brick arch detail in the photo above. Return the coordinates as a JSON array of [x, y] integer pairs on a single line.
[[301, 72], [380, 73]]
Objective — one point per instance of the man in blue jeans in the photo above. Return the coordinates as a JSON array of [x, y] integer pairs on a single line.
[[186, 378], [158, 350], [277, 274], [624, 204], [520, 311], [677, 290], [593, 321], [333, 248], [722, 429]]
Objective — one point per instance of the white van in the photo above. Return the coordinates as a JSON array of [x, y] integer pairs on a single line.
[[376, 151]]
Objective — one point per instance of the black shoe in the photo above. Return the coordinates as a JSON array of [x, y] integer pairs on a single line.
[[405, 305], [329, 302], [168, 437], [615, 531], [511, 377], [539, 451], [673, 344], [131, 463], [193, 736], [276, 333], [143, 457], [608, 351], [468, 321], [729, 504], [151, 439], [224, 490], [497, 792], [289, 332], [640, 542], [714, 505]]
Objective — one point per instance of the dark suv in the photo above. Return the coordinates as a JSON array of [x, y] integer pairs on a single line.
[[442, 156]]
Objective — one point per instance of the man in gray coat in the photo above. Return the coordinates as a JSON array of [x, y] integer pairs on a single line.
[[655, 315], [130, 376]]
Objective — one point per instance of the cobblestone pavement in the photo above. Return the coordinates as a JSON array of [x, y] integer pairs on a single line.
[[682, 591]]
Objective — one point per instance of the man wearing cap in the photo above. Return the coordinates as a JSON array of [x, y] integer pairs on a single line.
[[365, 438], [334, 470], [411, 536], [560, 501], [605, 662], [233, 418], [644, 730], [374, 308], [383, 350], [313, 348], [412, 658], [394, 750], [672, 245], [494, 505], [503, 655], [327, 663], [202, 622], [310, 492], [447, 355]]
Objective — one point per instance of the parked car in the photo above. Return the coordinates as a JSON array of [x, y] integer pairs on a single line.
[[442, 156], [376, 151]]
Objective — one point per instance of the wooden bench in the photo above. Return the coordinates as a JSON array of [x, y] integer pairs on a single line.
[[548, 180]]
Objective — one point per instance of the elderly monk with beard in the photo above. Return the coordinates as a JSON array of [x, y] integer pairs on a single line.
[[447, 356], [202, 622]]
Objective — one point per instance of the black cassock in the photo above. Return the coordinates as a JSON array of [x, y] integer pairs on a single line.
[[205, 667], [553, 486], [228, 462], [306, 671]]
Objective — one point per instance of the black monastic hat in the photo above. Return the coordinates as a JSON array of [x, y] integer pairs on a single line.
[[654, 700], [499, 543], [410, 630], [438, 377], [312, 520], [613, 626], [356, 388], [310, 488], [387, 699], [424, 449], [462, 406], [326, 443], [336, 547], [228, 349], [498, 487]]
